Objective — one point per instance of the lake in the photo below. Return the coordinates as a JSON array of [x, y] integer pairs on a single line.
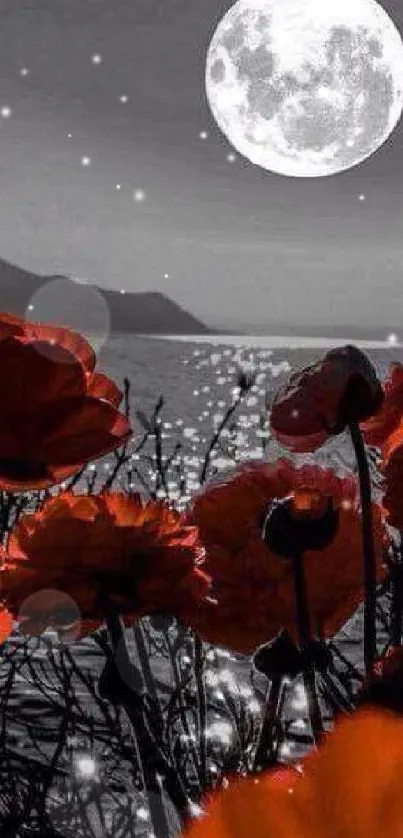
[[197, 377]]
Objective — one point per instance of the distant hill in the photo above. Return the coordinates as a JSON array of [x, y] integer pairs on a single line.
[[138, 313]]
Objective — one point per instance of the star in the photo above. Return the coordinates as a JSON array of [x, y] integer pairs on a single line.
[[69, 136], [86, 161], [203, 135], [361, 197], [96, 59], [118, 186], [24, 71], [166, 276], [123, 99], [231, 157], [6, 112], [139, 195]]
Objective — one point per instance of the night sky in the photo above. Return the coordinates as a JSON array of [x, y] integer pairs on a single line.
[[106, 173]]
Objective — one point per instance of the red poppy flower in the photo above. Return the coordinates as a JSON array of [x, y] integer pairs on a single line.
[[254, 587], [392, 500], [57, 413], [350, 787], [6, 624], [323, 398], [386, 421], [102, 551]]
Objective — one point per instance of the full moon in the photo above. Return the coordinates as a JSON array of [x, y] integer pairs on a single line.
[[306, 88]]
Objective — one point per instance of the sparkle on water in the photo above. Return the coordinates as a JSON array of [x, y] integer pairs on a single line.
[[85, 766], [299, 702]]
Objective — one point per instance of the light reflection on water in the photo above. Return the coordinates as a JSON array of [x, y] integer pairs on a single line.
[[198, 377]]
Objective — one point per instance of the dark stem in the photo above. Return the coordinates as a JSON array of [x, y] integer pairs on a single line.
[[396, 622], [216, 436], [202, 709], [148, 677], [368, 549], [305, 639], [177, 694], [153, 759], [267, 746]]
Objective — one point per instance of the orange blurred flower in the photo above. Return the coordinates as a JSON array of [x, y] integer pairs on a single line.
[[321, 400], [103, 551], [254, 587], [57, 413], [379, 428], [349, 788]]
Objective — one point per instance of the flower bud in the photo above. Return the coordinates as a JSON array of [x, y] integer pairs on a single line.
[[279, 658], [300, 522]]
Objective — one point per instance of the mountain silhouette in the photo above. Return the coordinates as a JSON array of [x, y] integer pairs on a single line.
[[149, 312]]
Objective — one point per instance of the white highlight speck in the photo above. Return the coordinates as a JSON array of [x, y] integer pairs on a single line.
[[86, 161], [221, 731], [85, 766], [139, 195]]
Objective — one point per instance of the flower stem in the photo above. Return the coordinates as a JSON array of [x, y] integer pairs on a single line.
[[153, 759], [267, 746], [305, 639], [396, 623], [368, 549], [202, 708]]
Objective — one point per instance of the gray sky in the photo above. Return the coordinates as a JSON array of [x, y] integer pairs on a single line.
[[240, 245]]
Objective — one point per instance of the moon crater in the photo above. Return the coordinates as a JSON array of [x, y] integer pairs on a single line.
[[302, 90]]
